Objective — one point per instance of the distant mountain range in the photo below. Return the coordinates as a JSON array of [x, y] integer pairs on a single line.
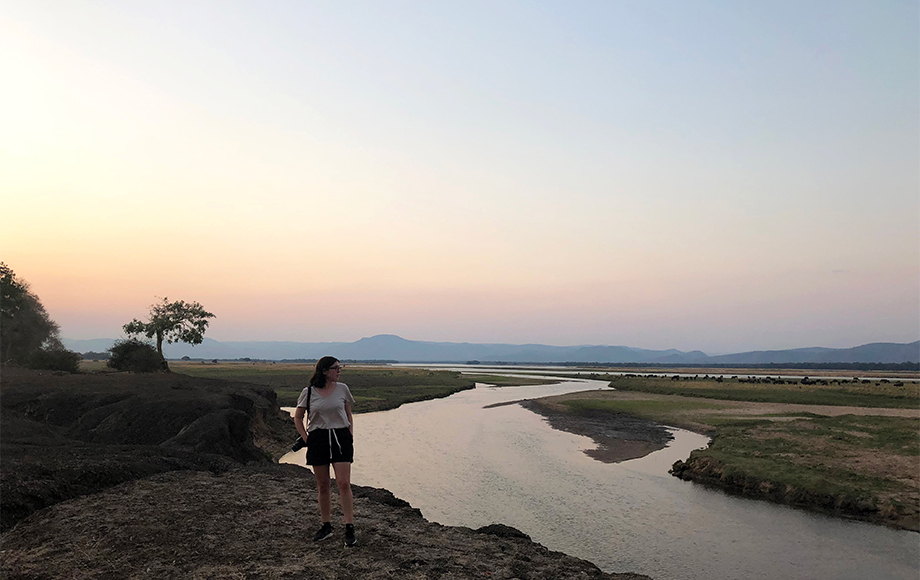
[[393, 348]]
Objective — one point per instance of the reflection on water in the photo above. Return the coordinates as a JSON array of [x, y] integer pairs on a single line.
[[465, 465]]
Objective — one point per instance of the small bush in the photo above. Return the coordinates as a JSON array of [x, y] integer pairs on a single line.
[[55, 359], [134, 355]]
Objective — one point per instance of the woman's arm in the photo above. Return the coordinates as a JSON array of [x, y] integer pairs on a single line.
[[351, 421], [298, 422]]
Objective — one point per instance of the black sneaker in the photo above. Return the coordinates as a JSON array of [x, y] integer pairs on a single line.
[[350, 539], [323, 533]]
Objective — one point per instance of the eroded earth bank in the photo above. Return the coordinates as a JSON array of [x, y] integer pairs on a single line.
[[168, 476]]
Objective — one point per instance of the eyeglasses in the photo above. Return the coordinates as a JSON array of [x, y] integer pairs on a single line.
[[336, 367]]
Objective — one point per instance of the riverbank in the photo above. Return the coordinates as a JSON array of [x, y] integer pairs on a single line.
[[165, 475], [619, 437], [851, 462]]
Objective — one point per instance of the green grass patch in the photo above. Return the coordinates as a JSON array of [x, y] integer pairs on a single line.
[[844, 393], [375, 388], [898, 435], [677, 413], [649, 409], [805, 453], [93, 366]]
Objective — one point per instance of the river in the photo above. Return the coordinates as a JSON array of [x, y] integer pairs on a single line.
[[463, 464]]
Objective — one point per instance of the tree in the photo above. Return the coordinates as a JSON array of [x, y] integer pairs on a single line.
[[177, 321], [25, 327], [55, 359], [136, 356]]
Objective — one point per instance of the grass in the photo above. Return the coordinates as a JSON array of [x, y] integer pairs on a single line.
[[898, 435], [93, 366], [847, 393], [375, 388], [656, 410], [821, 454]]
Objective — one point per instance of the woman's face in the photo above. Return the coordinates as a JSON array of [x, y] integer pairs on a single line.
[[332, 373]]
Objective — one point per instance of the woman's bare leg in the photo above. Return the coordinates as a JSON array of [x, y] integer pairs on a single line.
[[323, 487], [343, 482]]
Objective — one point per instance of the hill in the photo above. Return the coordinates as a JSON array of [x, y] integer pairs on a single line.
[[388, 347]]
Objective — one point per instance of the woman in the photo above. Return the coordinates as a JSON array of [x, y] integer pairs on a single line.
[[329, 437]]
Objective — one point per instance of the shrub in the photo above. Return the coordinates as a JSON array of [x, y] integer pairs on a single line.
[[135, 355], [55, 359]]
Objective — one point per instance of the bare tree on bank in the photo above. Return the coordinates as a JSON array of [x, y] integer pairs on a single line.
[[177, 321]]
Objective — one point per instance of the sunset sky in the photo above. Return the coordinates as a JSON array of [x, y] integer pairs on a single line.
[[722, 176]]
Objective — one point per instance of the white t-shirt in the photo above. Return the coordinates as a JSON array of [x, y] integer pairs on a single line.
[[327, 412]]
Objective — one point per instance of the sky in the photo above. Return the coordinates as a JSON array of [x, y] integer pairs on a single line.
[[722, 176]]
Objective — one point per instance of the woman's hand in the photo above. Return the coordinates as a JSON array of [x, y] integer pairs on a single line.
[[351, 419], [298, 423]]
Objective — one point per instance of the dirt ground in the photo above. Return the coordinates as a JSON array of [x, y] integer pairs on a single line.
[[258, 523]]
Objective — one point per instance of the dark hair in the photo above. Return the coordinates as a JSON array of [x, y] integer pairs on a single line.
[[318, 380]]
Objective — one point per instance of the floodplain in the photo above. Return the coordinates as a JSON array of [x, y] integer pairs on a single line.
[[846, 447]]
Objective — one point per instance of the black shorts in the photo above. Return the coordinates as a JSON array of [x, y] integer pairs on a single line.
[[326, 446]]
